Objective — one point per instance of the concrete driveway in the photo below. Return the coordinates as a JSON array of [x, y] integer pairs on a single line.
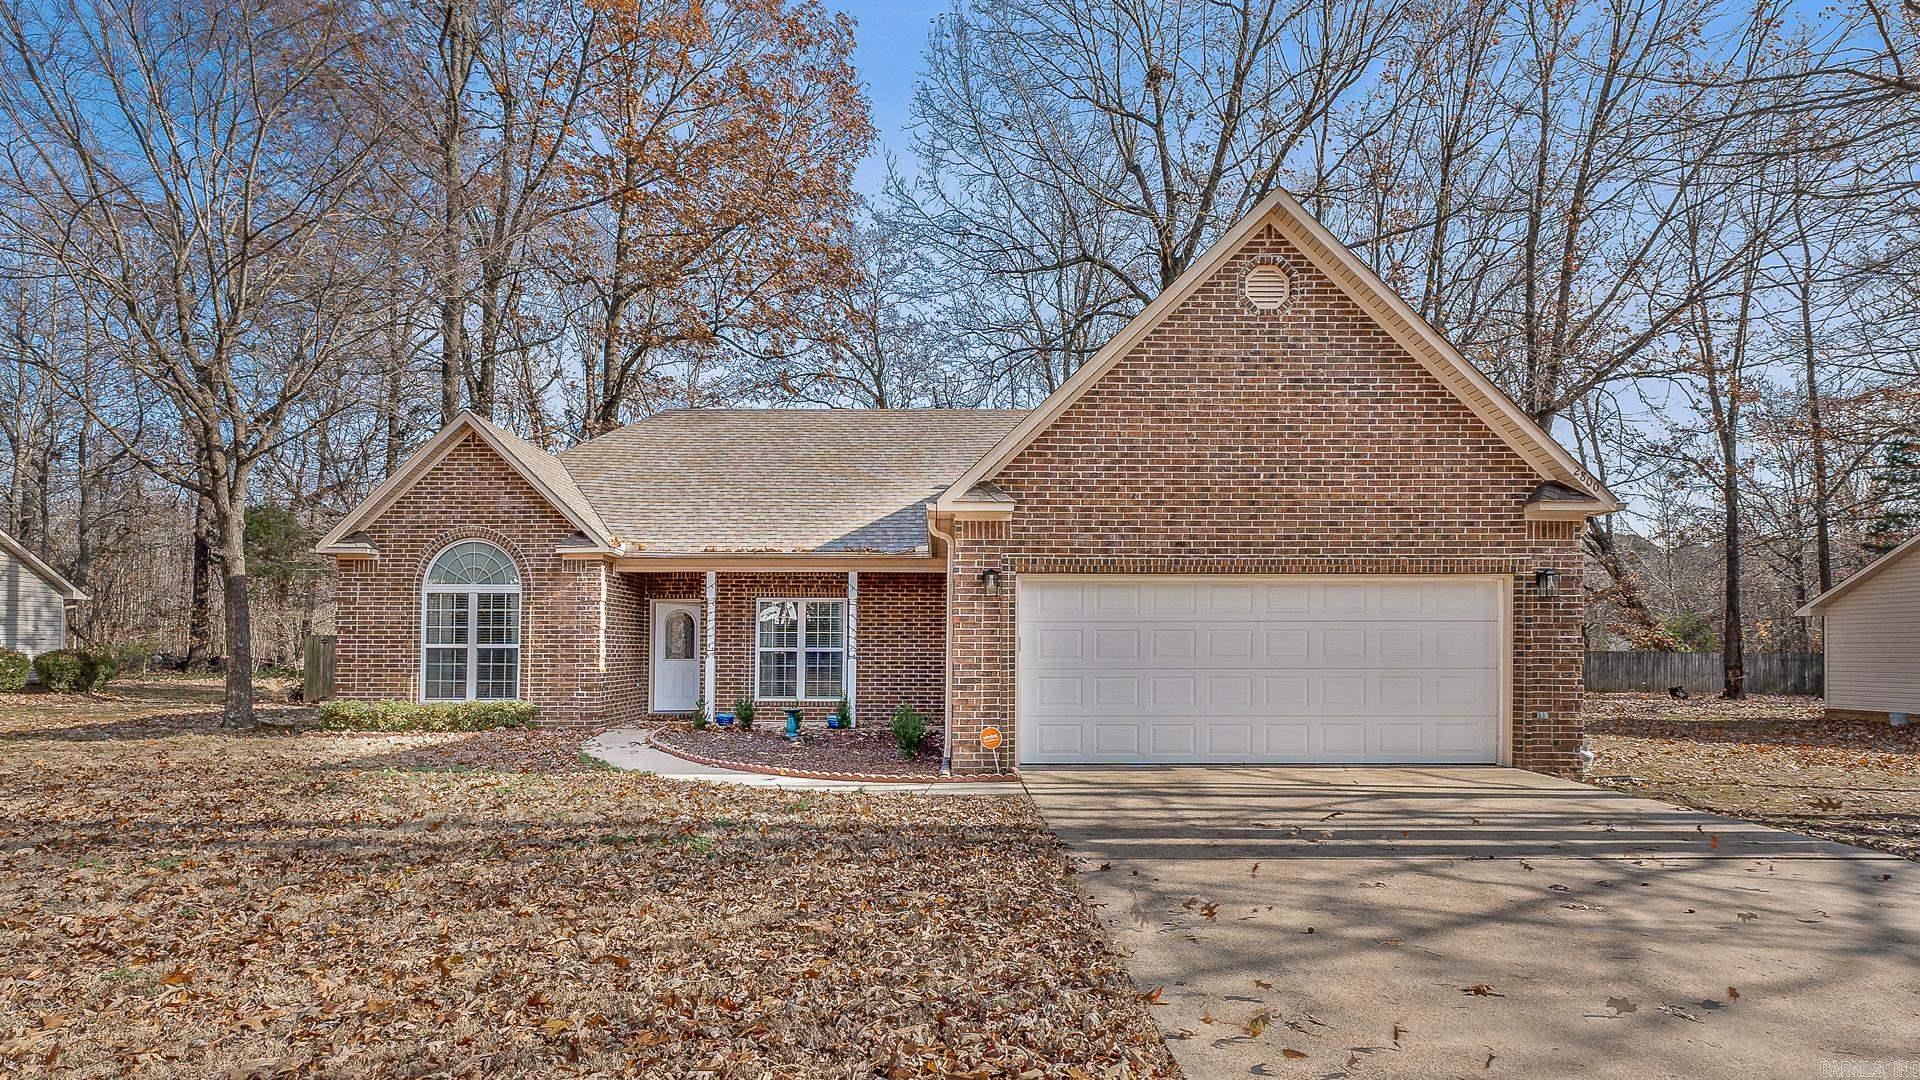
[[1481, 922]]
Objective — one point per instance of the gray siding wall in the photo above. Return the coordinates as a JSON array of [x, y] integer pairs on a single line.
[[1873, 643], [33, 618]]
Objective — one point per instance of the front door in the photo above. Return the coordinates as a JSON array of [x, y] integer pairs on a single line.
[[676, 657]]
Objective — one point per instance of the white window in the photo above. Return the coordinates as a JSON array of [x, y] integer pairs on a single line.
[[470, 625], [801, 650]]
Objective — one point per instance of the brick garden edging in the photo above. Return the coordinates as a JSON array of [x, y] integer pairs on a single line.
[[865, 778]]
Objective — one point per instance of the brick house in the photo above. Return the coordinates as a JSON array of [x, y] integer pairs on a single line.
[[1277, 518]]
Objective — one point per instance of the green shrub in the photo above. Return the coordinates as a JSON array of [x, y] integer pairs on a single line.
[[14, 669], [101, 666], [743, 712], [844, 711], [909, 728], [135, 657], [431, 716], [63, 671], [699, 717]]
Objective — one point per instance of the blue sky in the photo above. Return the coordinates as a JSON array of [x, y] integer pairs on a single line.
[[889, 39]]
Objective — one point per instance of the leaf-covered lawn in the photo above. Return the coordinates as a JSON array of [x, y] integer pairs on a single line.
[[1771, 759], [182, 901]]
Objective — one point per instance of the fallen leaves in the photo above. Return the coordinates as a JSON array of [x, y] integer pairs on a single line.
[[357, 905], [1773, 759]]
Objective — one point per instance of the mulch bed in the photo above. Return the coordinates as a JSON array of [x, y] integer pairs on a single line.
[[860, 754], [1770, 758]]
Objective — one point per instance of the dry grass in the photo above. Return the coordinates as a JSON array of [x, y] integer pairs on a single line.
[[1771, 759], [181, 900]]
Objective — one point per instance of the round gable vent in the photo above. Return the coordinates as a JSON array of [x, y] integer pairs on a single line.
[[1267, 287]]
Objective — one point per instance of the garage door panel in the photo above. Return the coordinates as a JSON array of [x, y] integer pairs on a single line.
[[1174, 739], [1283, 600], [1399, 738], [1346, 740], [1228, 646], [1116, 740], [1173, 691], [1173, 644], [1163, 669], [1287, 692], [1116, 644], [1229, 740], [1116, 691], [1401, 691], [1287, 741], [1057, 692], [1230, 693], [1058, 741], [1462, 645], [1343, 693], [1173, 600]]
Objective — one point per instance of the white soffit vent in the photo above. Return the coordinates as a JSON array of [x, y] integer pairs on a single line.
[[1267, 287]]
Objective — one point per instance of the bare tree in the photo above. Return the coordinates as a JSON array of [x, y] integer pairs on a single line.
[[1085, 154], [183, 170]]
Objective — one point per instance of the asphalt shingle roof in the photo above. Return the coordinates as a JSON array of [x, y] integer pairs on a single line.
[[781, 480]]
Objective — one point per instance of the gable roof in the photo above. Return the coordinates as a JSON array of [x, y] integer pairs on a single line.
[[67, 589], [781, 480], [1426, 345], [1819, 604], [542, 471]]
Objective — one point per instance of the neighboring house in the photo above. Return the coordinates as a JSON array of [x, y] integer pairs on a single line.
[[1872, 637], [33, 601], [1277, 518]]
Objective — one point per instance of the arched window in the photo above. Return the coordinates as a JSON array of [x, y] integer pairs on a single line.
[[679, 643], [470, 625]]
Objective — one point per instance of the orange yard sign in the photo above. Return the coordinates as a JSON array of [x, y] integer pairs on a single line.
[[990, 738]]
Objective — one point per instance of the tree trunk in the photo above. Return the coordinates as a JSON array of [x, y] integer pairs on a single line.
[[456, 62], [200, 589], [233, 560], [1816, 426], [83, 528], [1732, 651]]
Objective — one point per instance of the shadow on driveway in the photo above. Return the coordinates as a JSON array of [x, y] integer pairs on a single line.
[[1476, 920]]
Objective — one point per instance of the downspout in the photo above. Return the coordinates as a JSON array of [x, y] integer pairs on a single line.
[[707, 680], [946, 666], [852, 680]]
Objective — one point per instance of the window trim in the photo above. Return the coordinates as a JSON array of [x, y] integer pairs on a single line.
[[471, 593], [800, 648]]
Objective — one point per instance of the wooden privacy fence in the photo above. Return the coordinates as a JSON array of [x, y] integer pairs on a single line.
[[317, 684], [1701, 673]]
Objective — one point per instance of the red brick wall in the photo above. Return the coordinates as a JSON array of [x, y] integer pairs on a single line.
[[472, 494], [901, 642], [1237, 441], [903, 645]]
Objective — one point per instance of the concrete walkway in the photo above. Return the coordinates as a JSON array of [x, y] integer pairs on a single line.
[[1453, 922], [630, 748]]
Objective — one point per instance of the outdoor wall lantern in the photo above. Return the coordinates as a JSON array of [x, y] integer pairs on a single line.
[[990, 577], [1546, 581]]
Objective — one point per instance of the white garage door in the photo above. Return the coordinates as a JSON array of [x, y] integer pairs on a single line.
[[1122, 669]]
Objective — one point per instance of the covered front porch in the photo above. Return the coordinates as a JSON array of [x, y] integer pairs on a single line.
[[703, 635]]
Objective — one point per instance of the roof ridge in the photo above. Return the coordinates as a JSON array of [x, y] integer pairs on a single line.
[[42, 568]]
